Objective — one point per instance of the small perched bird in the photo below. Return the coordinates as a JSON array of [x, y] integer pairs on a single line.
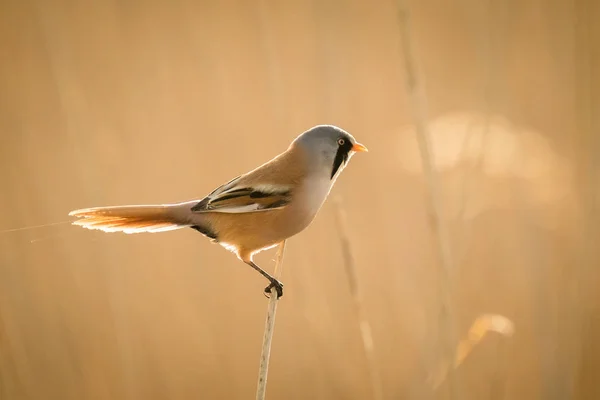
[[253, 212]]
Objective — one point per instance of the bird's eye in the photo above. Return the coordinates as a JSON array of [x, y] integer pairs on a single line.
[[341, 141]]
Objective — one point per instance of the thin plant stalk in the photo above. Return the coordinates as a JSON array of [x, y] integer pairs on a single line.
[[265, 355], [416, 96], [363, 321]]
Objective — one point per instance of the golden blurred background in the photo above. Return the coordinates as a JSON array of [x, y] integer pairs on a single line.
[[132, 102]]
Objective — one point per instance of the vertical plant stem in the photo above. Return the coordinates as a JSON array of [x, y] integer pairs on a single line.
[[417, 101], [363, 321], [265, 355], [584, 295]]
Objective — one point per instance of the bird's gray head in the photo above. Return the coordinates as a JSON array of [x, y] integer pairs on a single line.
[[329, 147]]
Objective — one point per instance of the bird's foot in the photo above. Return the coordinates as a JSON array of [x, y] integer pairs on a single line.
[[278, 288]]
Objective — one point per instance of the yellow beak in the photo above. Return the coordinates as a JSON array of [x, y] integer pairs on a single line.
[[359, 147]]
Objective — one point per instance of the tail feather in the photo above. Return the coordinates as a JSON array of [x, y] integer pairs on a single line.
[[131, 219]]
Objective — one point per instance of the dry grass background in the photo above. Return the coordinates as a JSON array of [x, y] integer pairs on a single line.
[[119, 102]]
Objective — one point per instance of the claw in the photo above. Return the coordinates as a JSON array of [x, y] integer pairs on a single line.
[[278, 288]]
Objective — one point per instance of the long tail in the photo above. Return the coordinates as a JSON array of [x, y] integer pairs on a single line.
[[133, 219]]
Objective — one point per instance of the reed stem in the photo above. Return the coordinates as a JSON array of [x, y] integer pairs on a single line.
[[263, 370]]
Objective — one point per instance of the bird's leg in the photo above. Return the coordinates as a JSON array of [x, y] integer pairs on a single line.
[[274, 282]]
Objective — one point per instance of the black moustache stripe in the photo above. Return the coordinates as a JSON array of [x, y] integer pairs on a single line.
[[341, 156]]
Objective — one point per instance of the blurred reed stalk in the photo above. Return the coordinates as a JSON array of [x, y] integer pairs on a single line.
[[363, 322], [583, 294], [479, 329], [417, 99], [265, 355]]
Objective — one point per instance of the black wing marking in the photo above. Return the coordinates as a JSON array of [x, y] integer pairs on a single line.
[[246, 199]]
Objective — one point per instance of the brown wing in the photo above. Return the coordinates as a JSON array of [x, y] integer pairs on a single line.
[[267, 187]]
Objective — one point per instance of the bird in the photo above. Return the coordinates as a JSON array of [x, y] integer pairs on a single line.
[[254, 211]]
